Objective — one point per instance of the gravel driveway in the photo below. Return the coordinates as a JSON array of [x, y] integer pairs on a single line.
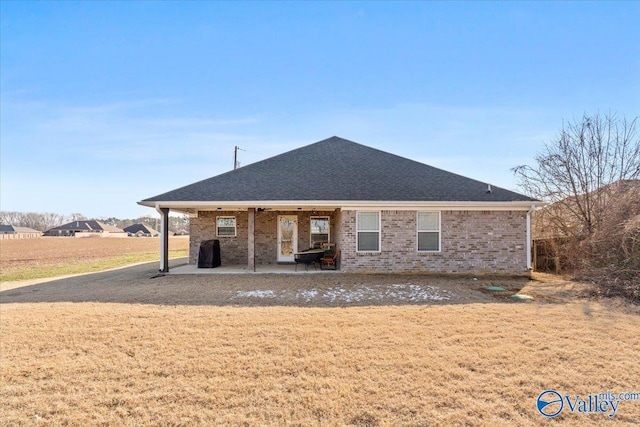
[[137, 285]]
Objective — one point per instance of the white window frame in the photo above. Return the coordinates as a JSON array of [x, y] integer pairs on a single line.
[[418, 231], [311, 233], [235, 226], [379, 231]]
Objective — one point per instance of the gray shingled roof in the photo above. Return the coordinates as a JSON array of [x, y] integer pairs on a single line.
[[4, 228], [338, 169], [88, 225], [140, 227]]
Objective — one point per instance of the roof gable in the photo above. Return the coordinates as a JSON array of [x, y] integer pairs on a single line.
[[139, 227], [336, 169], [87, 225], [5, 228]]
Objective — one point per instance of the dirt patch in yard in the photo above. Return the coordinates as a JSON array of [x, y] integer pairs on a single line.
[[141, 285]]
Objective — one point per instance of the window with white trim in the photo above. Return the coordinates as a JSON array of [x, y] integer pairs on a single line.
[[368, 231], [319, 230], [226, 226], [429, 231]]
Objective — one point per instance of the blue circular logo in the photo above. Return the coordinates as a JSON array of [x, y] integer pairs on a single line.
[[550, 403]]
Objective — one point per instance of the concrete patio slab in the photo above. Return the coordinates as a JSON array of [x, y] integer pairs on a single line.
[[242, 269]]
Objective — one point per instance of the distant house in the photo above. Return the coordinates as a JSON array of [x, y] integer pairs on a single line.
[[565, 217], [14, 232], [384, 212], [86, 228], [141, 230]]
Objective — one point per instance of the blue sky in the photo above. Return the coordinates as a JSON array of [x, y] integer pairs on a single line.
[[107, 103]]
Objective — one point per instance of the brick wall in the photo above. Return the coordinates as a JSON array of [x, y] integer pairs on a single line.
[[233, 250], [11, 236], [471, 242]]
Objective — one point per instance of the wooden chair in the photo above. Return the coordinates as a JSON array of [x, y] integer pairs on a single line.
[[331, 262], [330, 247]]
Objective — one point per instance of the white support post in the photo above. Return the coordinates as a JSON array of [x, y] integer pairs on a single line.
[[251, 249], [164, 238], [529, 245]]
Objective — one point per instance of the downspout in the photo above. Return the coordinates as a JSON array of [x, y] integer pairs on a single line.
[[164, 238], [529, 246]]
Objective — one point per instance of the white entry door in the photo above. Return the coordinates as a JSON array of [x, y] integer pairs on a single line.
[[287, 237]]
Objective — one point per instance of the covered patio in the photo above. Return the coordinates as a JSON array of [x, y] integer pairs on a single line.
[[262, 240]]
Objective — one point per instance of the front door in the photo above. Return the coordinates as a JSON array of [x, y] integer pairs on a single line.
[[287, 237]]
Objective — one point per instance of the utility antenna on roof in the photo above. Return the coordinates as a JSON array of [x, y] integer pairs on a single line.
[[236, 163]]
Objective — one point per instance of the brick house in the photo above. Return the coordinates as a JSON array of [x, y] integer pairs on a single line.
[[384, 212], [8, 231], [141, 230], [85, 228]]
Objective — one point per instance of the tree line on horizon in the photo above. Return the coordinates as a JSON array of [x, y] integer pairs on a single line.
[[48, 220]]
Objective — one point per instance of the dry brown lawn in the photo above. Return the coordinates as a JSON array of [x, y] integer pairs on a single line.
[[182, 360], [55, 256]]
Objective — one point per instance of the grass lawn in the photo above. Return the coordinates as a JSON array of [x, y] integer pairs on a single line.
[[466, 364], [120, 349]]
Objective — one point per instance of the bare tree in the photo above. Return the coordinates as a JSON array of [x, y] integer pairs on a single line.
[[37, 221], [10, 218], [589, 176], [586, 157], [77, 217]]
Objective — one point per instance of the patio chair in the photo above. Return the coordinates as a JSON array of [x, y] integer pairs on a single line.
[[330, 247], [331, 262]]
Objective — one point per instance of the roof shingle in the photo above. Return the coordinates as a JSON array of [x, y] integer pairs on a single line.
[[336, 169]]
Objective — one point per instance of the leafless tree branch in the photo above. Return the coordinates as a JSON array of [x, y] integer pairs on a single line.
[[590, 176]]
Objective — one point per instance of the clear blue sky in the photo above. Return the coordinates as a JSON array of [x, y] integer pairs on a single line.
[[106, 103]]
